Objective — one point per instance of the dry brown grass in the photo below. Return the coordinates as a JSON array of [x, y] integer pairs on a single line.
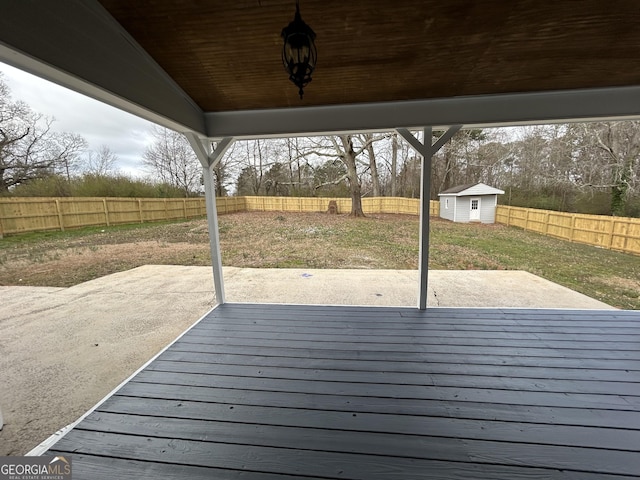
[[281, 240]]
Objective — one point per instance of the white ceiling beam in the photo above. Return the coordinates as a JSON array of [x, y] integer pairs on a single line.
[[620, 103], [444, 138], [418, 146], [79, 45], [219, 151]]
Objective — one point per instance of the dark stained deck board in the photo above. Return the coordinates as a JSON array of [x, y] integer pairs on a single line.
[[117, 468], [523, 333], [453, 368], [302, 463], [533, 349], [290, 391], [394, 391], [196, 432], [571, 415], [388, 424], [381, 343], [408, 323], [440, 357], [604, 387], [426, 337]]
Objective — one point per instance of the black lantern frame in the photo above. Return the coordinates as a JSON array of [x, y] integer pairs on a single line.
[[299, 52]]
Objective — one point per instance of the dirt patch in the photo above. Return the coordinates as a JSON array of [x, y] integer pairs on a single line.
[[250, 239], [626, 286], [65, 267]]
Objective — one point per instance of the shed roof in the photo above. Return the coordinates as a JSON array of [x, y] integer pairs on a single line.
[[472, 189]]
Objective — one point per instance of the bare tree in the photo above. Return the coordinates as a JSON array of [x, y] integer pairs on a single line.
[[101, 162], [617, 147], [69, 147], [29, 149], [348, 148], [172, 160]]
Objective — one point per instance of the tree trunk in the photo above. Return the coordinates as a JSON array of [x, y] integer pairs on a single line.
[[618, 197], [448, 170], [352, 174], [219, 178], [373, 166], [620, 188], [394, 163]]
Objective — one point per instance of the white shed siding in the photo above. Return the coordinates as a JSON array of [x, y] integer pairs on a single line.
[[463, 209], [448, 213], [488, 209]]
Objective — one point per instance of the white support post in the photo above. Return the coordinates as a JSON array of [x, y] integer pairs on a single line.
[[425, 211], [208, 159], [427, 150]]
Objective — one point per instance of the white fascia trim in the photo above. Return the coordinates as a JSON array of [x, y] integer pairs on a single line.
[[82, 47], [619, 103], [35, 67]]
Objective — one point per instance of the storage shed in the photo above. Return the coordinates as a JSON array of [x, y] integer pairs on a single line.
[[475, 202]]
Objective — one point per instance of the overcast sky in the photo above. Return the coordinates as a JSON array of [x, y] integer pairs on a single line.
[[125, 134]]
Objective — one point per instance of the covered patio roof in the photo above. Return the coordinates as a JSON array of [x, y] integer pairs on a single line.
[[214, 68]]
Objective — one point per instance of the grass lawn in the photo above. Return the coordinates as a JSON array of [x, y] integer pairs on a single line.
[[284, 240]]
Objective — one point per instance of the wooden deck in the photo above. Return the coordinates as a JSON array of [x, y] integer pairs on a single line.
[[271, 392]]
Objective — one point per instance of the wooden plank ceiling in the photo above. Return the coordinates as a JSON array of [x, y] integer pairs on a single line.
[[226, 54]]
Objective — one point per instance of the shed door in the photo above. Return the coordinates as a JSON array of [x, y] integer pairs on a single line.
[[474, 214]]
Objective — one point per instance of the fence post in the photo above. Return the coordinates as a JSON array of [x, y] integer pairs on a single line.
[[184, 207], [60, 217], [626, 237], [612, 227], [106, 211], [140, 210], [572, 229], [2, 212], [526, 220], [546, 223]]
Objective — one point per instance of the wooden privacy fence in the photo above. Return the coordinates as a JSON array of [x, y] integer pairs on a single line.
[[397, 205], [614, 233], [24, 214], [20, 215]]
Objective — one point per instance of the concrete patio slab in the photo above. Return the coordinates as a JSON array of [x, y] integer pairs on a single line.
[[64, 349]]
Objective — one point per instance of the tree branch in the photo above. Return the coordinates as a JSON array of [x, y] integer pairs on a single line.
[[335, 182]]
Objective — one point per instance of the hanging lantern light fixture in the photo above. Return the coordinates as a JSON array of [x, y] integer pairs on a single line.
[[299, 52]]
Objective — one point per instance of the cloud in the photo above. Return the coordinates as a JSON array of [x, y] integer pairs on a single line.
[[100, 124]]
